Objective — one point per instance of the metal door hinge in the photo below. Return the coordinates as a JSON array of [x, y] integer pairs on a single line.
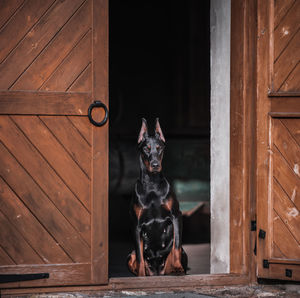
[[4, 278], [253, 225], [288, 272], [262, 234], [266, 263]]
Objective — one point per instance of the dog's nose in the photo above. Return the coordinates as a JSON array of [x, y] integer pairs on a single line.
[[155, 165]]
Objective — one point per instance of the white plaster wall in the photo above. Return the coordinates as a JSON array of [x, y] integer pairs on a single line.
[[220, 131]]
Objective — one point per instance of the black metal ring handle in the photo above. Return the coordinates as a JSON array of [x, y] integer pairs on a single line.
[[98, 104]]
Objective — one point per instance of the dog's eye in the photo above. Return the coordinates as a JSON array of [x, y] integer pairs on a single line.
[[146, 149]]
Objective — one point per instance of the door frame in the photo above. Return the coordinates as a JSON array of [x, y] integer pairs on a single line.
[[242, 171]]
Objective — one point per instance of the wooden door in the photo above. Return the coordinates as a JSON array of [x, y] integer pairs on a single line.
[[278, 139], [53, 161]]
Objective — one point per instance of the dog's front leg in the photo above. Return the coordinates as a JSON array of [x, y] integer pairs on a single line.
[[177, 224], [139, 248], [173, 263]]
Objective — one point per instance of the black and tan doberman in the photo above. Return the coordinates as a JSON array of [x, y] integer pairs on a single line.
[[155, 213]]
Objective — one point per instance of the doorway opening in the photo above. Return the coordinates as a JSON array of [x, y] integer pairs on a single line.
[[160, 67]]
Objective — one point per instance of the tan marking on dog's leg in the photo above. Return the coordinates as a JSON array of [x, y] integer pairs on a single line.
[[132, 263], [168, 204], [141, 266], [138, 211]]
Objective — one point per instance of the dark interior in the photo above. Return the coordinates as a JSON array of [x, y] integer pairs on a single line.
[[160, 67]]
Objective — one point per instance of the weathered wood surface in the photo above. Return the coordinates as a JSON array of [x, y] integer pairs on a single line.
[[285, 45], [152, 283], [278, 119], [53, 163], [242, 130]]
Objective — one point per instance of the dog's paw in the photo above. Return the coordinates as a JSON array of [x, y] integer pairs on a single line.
[[177, 269]]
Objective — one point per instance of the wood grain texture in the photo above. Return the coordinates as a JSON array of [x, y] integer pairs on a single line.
[[282, 106], [292, 82], [281, 8], [5, 259], [285, 239], [57, 157], [71, 273], [287, 62], [58, 48], [50, 158], [286, 177], [15, 245], [44, 175], [83, 125], [288, 212], [284, 47], [83, 81], [72, 141], [293, 125], [44, 103], [40, 205], [100, 147], [242, 126], [35, 41], [24, 19], [287, 145], [37, 236], [71, 67], [7, 9], [278, 271], [263, 163], [286, 29], [277, 253], [153, 283], [286, 202]]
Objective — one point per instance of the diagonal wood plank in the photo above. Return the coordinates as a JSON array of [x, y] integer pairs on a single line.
[[287, 179], [45, 177], [30, 228], [286, 30], [56, 51], [293, 125], [287, 61], [83, 82], [277, 253], [7, 10], [14, 244], [40, 205], [56, 156], [281, 7], [292, 83], [36, 39], [284, 239], [24, 19], [287, 146], [84, 127], [71, 67], [5, 259], [72, 141], [287, 211]]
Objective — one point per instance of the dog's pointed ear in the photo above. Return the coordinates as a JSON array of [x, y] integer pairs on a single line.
[[158, 131], [143, 131]]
